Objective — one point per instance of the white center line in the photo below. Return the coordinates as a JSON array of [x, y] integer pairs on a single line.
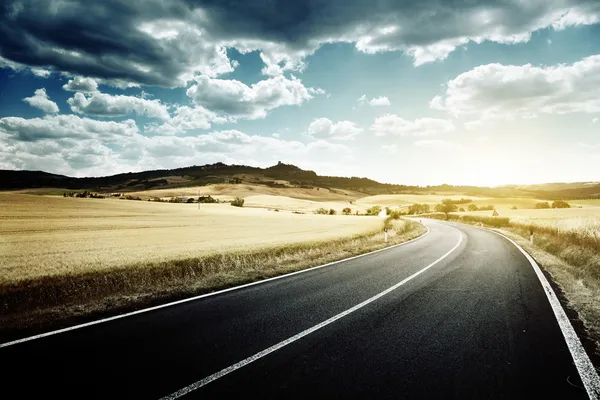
[[243, 363]]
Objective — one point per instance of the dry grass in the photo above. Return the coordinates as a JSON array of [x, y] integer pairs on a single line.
[[46, 236], [580, 290], [230, 191], [61, 257], [567, 218], [570, 254]]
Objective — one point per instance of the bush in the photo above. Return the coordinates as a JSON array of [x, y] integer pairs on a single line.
[[560, 204], [190, 200], [238, 202], [332, 212], [487, 208], [514, 208], [207, 199], [496, 222], [346, 211], [419, 209], [394, 214], [321, 211], [461, 209], [472, 207], [375, 210], [542, 205]]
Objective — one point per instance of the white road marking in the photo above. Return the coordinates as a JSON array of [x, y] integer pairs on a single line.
[[586, 369], [240, 364], [42, 335]]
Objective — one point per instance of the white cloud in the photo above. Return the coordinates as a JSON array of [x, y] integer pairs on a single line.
[[390, 148], [238, 100], [153, 43], [506, 91], [324, 128], [186, 118], [73, 145], [81, 84], [41, 100], [391, 124], [375, 101], [438, 144], [106, 105], [594, 120], [64, 126]]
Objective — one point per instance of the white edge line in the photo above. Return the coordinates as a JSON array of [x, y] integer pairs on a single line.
[[584, 365], [100, 321], [263, 353]]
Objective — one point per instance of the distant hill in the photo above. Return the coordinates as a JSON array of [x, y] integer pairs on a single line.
[[279, 175]]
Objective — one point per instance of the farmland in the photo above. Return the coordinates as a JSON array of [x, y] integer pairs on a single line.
[[42, 235]]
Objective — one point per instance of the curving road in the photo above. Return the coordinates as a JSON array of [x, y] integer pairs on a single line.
[[458, 313]]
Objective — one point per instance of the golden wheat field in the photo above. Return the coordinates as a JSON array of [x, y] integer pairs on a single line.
[[565, 218], [43, 235]]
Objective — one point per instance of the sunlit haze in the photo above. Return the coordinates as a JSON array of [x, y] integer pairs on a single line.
[[481, 94]]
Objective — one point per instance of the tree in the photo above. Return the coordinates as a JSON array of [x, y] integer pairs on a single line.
[[472, 207], [332, 211], [543, 204], [446, 208], [560, 204], [461, 209], [347, 211], [418, 209]]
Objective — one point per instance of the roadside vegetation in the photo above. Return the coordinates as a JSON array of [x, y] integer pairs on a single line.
[[67, 258], [571, 254]]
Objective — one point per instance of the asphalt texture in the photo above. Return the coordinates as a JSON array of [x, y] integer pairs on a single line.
[[476, 325]]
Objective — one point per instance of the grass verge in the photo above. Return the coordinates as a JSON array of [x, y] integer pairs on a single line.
[[53, 302], [571, 259]]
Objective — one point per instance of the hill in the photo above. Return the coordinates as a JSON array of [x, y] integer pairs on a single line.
[[281, 176]]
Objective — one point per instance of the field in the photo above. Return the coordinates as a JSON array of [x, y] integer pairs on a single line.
[[45, 236], [566, 218], [229, 191]]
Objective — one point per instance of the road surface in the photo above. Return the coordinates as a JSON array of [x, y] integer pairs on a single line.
[[458, 313]]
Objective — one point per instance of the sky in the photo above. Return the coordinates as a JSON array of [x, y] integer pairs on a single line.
[[461, 92]]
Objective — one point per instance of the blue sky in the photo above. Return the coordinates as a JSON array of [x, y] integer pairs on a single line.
[[473, 93]]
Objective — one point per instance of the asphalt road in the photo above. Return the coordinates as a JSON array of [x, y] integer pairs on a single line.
[[476, 324]]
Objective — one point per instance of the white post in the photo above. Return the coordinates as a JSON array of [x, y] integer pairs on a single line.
[[385, 235], [531, 239]]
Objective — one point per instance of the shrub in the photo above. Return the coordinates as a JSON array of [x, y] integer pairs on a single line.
[[461, 209], [394, 214], [347, 211], [238, 202], [419, 209], [542, 205], [375, 210], [332, 211], [321, 211], [514, 208], [472, 207], [190, 200], [487, 208], [560, 204], [496, 222], [207, 199]]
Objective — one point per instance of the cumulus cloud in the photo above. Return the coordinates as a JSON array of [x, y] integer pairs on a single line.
[[73, 145], [375, 101], [167, 43], [506, 91], [186, 118], [81, 84], [106, 105], [41, 100], [238, 100], [438, 144], [390, 148], [324, 128], [64, 126], [391, 124]]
